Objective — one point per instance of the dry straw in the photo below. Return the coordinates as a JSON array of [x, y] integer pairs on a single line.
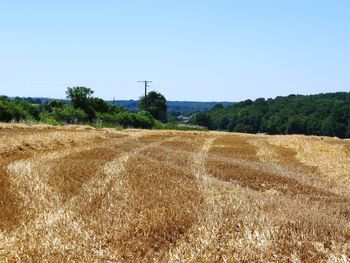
[[86, 195]]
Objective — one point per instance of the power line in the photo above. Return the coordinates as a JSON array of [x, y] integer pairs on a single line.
[[147, 84]]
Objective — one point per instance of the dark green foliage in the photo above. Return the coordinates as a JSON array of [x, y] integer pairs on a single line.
[[322, 114], [81, 98], [128, 119], [6, 111], [155, 103], [297, 125], [224, 123], [347, 135], [99, 105], [18, 110], [53, 104], [68, 114], [32, 110], [203, 119], [328, 126]]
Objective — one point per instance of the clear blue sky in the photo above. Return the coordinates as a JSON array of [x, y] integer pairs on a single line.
[[192, 49]]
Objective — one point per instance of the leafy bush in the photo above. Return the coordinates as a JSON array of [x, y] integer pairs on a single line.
[[127, 119], [14, 111], [69, 114], [49, 118], [5, 112]]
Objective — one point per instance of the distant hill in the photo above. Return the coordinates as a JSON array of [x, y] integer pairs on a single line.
[[175, 107]]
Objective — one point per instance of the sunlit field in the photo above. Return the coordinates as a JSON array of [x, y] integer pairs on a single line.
[[80, 194]]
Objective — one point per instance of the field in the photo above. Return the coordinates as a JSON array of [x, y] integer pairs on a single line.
[[79, 194]]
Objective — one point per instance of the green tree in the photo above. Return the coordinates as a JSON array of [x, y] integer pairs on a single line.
[[99, 105], [81, 98], [50, 105], [232, 124], [6, 114], [296, 125], [313, 124], [348, 131], [155, 103], [224, 123], [203, 119], [327, 127], [69, 114]]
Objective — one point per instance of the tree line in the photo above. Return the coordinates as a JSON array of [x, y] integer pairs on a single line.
[[82, 107], [323, 114]]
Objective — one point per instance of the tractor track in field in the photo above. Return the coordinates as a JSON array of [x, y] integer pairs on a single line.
[[302, 182], [211, 219], [57, 201]]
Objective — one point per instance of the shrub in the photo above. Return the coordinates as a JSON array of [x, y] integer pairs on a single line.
[[49, 118], [127, 119], [68, 114], [10, 110]]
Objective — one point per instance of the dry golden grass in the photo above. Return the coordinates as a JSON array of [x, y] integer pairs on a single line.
[[79, 194]]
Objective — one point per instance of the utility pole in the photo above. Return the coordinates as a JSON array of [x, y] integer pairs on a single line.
[[147, 84]]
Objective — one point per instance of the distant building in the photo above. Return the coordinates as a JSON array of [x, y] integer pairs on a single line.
[[184, 119]]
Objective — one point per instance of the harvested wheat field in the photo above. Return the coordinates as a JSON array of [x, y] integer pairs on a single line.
[[79, 194]]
